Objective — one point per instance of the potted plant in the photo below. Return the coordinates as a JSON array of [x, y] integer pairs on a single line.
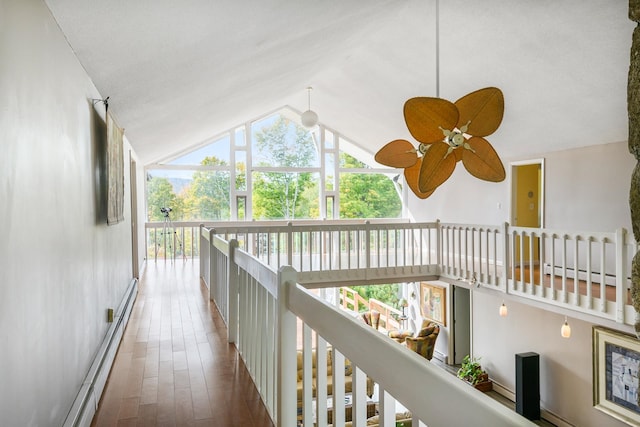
[[471, 371]]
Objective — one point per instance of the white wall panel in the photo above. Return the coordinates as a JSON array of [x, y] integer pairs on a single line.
[[61, 267]]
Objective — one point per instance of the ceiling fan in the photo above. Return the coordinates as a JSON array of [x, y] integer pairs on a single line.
[[448, 133]]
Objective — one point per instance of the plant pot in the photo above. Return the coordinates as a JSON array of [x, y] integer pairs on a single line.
[[485, 384]]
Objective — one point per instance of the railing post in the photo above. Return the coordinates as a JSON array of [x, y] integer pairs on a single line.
[[290, 243], [505, 258], [212, 265], [201, 246], [439, 246], [287, 360], [621, 274], [233, 294], [367, 242]]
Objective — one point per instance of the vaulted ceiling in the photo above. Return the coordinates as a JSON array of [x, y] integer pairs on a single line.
[[180, 72]]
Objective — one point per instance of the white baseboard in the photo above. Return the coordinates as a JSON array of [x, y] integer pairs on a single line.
[[609, 279], [86, 402]]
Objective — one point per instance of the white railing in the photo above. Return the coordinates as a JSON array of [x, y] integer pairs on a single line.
[[172, 240], [586, 272], [583, 271], [264, 309]]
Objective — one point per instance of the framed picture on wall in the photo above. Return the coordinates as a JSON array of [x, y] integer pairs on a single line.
[[616, 362], [433, 302]]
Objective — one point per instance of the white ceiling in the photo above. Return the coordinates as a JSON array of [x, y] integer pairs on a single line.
[[180, 72]]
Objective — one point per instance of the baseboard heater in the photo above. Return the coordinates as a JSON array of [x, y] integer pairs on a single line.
[[596, 277], [86, 403]]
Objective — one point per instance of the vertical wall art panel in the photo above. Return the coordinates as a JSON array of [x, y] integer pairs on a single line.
[[115, 170]]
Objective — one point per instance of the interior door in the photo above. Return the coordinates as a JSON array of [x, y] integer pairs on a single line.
[[527, 206], [461, 303]]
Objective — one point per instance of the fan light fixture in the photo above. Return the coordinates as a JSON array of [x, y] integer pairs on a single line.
[[565, 331], [309, 118], [447, 133], [503, 310]]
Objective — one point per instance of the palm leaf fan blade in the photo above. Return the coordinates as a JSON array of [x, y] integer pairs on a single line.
[[482, 161], [437, 166], [425, 116], [482, 109], [398, 154], [411, 176]]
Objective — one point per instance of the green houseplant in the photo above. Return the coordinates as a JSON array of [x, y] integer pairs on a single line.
[[471, 371]]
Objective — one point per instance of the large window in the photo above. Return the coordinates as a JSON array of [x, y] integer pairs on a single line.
[[272, 168]]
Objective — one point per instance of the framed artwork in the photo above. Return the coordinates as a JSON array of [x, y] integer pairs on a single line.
[[616, 358], [433, 302]]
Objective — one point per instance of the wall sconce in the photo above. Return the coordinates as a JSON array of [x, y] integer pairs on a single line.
[[503, 310], [565, 331]]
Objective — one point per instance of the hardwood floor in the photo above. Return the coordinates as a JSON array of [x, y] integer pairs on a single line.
[[174, 366]]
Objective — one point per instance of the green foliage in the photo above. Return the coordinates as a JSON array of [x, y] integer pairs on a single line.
[[279, 195], [388, 294], [160, 195], [207, 198], [366, 195], [470, 370]]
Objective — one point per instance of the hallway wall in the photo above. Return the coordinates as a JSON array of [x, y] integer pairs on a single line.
[[61, 265]]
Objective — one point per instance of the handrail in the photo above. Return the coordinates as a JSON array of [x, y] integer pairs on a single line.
[[576, 271], [265, 306], [566, 269]]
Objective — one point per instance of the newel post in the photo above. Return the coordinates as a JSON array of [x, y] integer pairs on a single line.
[[287, 361], [233, 292]]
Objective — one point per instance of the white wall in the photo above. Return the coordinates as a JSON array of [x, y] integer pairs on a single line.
[[565, 363], [61, 265], [586, 190]]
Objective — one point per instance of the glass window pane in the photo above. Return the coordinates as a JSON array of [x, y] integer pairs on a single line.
[[241, 170], [285, 195], [330, 213], [368, 195], [191, 195], [329, 172], [329, 140], [350, 162], [240, 139], [219, 149], [281, 142], [241, 206]]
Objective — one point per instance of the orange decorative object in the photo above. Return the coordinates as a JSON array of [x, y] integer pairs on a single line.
[[447, 133]]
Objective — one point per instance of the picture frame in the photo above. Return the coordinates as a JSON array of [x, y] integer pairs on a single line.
[[616, 362], [433, 302]]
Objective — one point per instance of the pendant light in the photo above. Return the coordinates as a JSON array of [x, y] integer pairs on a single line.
[[503, 310], [565, 331], [309, 118]]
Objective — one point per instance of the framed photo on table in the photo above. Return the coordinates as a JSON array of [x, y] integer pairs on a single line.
[[433, 302], [616, 362]]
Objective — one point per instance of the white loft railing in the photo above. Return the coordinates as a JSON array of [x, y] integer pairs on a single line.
[[263, 309], [587, 272]]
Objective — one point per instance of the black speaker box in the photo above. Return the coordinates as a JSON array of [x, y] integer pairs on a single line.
[[528, 385]]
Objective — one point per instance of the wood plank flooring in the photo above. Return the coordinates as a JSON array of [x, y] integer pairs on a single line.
[[174, 366]]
